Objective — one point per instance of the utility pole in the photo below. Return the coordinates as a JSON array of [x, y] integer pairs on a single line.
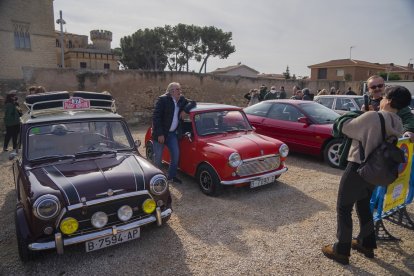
[[350, 52], [62, 54]]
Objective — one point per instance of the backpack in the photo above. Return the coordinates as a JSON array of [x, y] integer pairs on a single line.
[[380, 168]]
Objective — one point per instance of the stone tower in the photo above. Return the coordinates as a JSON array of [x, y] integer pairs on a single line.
[[101, 39]]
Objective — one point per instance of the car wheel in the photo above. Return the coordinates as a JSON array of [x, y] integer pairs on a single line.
[[208, 180], [25, 253], [331, 153], [149, 152]]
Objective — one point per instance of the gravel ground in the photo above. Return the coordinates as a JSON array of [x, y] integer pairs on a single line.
[[277, 229]]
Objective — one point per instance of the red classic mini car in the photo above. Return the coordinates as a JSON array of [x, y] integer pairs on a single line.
[[220, 147], [80, 178]]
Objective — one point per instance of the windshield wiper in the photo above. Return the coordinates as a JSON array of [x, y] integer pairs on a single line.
[[53, 157], [94, 152]]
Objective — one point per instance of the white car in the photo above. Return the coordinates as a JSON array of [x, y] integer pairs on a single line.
[[341, 103]]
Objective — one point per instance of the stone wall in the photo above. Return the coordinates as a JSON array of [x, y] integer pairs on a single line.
[[136, 91]]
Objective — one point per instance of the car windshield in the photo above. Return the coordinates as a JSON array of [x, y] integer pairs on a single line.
[[359, 101], [221, 122], [76, 139], [319, 113]]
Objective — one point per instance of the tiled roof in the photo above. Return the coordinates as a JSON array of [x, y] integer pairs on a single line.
[[397, 68], [346, 62], [230, 68]]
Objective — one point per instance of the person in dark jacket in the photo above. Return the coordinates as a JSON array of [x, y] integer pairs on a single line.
[[169, 110], [12, 115], [306, 94], [282, 94]]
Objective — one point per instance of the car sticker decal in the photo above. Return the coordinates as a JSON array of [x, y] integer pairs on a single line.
[[64, 184]]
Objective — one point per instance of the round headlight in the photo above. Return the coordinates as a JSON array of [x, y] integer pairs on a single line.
[[99, 219], [284, 150], [125, 213], [235, 160], [158, 184], [149, 206], [69, 226], [46, 207]]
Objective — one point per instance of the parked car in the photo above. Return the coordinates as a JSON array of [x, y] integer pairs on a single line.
[[220, 148], [341, 103], [305, 126], [80, 179]]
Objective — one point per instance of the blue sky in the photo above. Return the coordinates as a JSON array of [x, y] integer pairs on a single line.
[[268, 34]]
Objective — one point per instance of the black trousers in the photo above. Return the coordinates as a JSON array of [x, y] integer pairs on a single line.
[[11, 132], [354, 190]]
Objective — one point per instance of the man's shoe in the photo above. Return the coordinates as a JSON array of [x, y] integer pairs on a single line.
[[175, 180], [368, 252], [330, 253]]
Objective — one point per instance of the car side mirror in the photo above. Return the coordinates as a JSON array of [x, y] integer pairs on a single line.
[[137, 143], [188, 136], [304, 120]]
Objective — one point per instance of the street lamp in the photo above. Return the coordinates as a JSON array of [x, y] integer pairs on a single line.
[[350, 52], [62, 54]]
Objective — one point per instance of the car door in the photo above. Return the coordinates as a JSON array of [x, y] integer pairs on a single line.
[[282, 123]]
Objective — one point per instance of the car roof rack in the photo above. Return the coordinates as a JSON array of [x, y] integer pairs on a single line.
[[63, 100]]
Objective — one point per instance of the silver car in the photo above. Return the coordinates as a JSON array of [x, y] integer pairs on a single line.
[[341, 103]]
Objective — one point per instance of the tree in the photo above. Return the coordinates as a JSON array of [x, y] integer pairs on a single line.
[[174, 47], [145, 49], [213, 42], [287, 73], [391, 76]]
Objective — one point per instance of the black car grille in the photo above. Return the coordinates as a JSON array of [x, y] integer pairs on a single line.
[[261, 165], [84, 214]]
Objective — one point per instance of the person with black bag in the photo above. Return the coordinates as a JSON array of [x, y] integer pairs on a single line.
[[365, 133]]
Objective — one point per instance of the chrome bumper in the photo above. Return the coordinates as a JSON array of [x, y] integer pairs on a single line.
[[59, 243], [252, 178]]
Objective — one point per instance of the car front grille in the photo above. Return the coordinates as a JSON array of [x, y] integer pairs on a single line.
[[261, 165]]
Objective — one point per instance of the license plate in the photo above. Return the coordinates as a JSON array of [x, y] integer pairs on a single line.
[[262, 181], [112, 240]]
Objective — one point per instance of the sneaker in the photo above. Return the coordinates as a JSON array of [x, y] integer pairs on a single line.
[[5, 150], [330, 253], [368, 252], [175, 180]]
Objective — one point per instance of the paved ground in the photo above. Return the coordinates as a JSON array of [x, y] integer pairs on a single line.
[[273, 230]]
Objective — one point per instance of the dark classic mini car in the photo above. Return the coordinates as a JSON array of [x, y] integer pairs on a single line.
[[305, 126], [220, 147], [80, 178]]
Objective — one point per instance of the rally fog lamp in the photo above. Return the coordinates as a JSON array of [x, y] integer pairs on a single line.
[[99, 219], [158, 184], [149, 206], [284, 150], [46, 207], [125, 213], [69, 226], [235, 160]]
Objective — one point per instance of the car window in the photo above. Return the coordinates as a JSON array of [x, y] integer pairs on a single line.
[[328, 102], [71, 138], [259, 109], [359, 101], [284, 112], [219, 122], [344, 104], [319, 113]]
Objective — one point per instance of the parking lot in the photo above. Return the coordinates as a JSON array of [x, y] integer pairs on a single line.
[[277, 229]]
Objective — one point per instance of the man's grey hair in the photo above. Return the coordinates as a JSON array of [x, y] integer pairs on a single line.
[[172, 86]]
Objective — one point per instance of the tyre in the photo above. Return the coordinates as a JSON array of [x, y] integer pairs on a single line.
[[208, 180], [25, 253], [149, 152], [330, 153]]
